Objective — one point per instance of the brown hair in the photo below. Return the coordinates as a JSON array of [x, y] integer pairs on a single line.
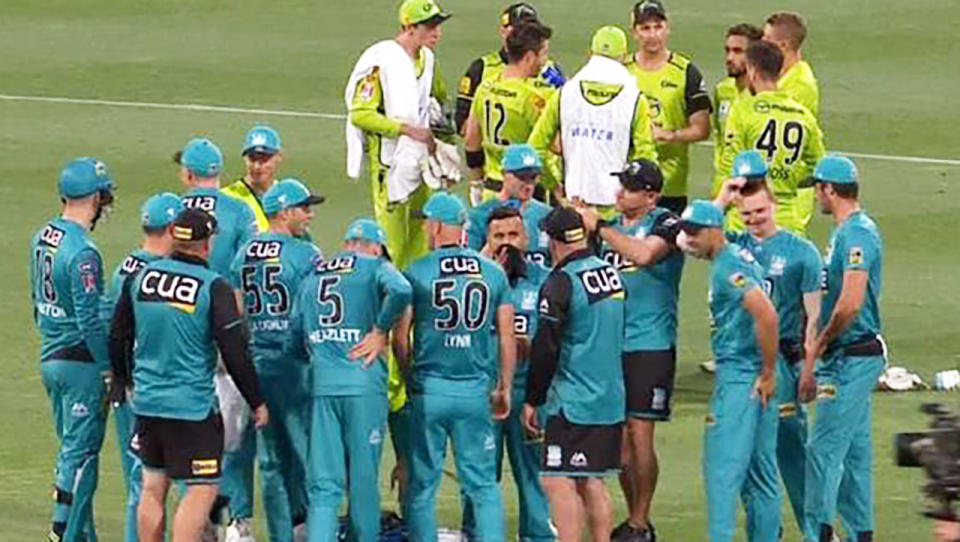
[[791, 24], [755, 185], [528, 36], [765, 58], [747, 30]]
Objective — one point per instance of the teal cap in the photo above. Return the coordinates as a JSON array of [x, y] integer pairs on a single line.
[[261, 139], [749, 164], [833, 169], [288, 193], [202, 157], [82, 177], [365, 229], [160, 210], [701, 214], [446, 208], [521, 157]]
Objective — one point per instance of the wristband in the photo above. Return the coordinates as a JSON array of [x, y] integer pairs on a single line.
[[475, 159]]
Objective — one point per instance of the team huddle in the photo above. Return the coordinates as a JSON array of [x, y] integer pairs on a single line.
[[539, 321]]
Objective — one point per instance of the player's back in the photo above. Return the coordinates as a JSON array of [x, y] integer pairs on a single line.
[[456, 294], [235, 224], [733, 273], [269, 270], [800, 83], [131, 264], [63, 259], [174, 354], [506, 108], [337, 306]]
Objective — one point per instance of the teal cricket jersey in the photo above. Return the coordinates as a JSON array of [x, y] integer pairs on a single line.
[[524, 295], [174, 354], [338, 303], [579, 343], [532, 213], [652, 292], [134, 262], [733, 273], [456, 294], [269, 270], [236, 224], [854, 245], [66, 286], [791, 268]]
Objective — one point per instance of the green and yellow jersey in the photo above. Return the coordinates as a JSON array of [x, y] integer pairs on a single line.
[[800, 84], [674, 93], [240, 190], [506, 109], [787, 135], [725, 93]]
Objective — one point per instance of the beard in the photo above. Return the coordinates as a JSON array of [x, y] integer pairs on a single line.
[[736, 72]]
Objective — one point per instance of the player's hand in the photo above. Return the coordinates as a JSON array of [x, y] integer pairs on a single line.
[[590, 217], [946, 531], [765, 386], [806, 386], [261, 417], [730, 191], [661, 135], [373, 345], [416, 133], [528, 419], [500, 403], [398, 478]]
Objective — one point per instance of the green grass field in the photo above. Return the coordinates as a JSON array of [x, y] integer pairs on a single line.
[[888, 75]]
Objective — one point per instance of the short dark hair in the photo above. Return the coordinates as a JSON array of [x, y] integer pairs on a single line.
[[765, 58], [529, 35], [846, 190], [503, 212], [747, 30], [792, 24], [754, 185]]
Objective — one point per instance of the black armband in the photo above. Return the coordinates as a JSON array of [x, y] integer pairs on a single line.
[[667, 226], [475, 159]]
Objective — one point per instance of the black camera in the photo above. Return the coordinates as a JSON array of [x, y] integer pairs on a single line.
[[937, 451]]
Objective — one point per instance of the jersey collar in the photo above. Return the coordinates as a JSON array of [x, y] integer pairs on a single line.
[[578, 255]]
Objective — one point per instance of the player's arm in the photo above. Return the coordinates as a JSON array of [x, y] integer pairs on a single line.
[[815, 149], [649, 250], [465, 91], [395, 294], [731, 145], [122, 336], [696, 103], [554, 305], [401, 340], [365, 112], [473, 146], [547, 126], [641, 134], [812, 295], [232, 337], [296, 347], [86, 291], [766, 327]]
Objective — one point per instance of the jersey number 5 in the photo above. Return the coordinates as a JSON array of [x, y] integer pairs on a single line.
[[470, 308], [326, 295], [792, 139], [255, 292]]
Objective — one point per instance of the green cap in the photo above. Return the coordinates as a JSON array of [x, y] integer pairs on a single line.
[[610, 41], [833, 169], [421, 12]]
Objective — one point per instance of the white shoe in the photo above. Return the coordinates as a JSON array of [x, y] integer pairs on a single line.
[[239, 530], [709, 367], [300, 532]]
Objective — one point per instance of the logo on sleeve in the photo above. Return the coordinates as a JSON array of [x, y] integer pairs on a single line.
[[601, 283], [459, 265], [263, 251], [180, 291], [90, 276], [52, 236], [465, 85], [739, 280], [544, 306], [856, 256]]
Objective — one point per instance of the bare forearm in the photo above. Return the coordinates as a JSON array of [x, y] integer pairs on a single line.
[[768, 339]]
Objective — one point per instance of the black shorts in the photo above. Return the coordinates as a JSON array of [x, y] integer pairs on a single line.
[[648, 377], [572, 449], [674, 203], [181, 449]]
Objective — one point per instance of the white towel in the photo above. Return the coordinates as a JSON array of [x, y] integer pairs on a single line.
[[406, 99]]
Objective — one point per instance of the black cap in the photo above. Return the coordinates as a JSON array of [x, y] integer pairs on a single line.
[[194, 225], [641, 174], [515, 13], [645, 9], [564, 224]]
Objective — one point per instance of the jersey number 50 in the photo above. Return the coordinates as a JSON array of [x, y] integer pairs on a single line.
[[470, 308]]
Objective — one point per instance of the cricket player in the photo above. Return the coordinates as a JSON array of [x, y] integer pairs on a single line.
[[739, 451], [840, 450], [640, 243], [201, 164], [601, 121], [506, 240], [262, 155], [156, 215], [265, 276], [547, 78], [521, 167], [788, 31], [576, 380], [677, 95], [344, 312], [171, 320], [791, 275], [780, 128], [373, 111], [462, 320], [729, 89], [66, 283], [505, 108]]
